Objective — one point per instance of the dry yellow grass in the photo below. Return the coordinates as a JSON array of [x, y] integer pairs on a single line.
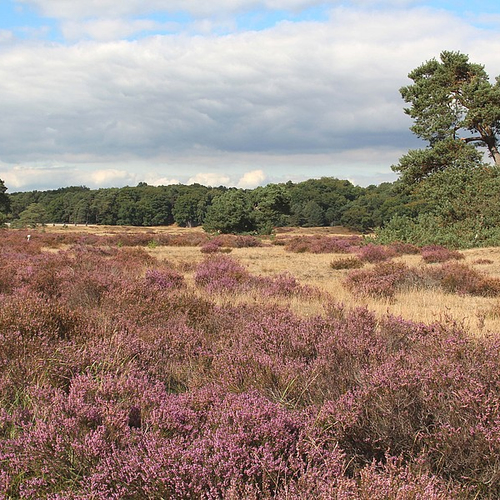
[[480, 314], [105, 230]]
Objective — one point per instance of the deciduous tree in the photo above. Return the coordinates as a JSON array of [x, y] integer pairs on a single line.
[[231, 212]]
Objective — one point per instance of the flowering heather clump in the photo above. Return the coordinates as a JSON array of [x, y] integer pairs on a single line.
[[120, 380], [283, 285], [55, 240], [346, 263], [134, 258], [402, 248], [223, 274], [42, 273], [247, 241], [32, 315], [429, 402], [190, 239], [211, 246], [437, 253], [17, 241], [220, 273], [129, 239], [382, 281], [83, 252], [165, 279], [85, 287], [454, 277], [218, 244], [9, 271], [322, 244], [376, 253]]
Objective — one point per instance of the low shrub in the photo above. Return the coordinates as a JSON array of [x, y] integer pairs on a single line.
[[382, 281], [283, 285], [211, 246], [322, 244], [454, 277], [375, 253], [189, 239], [438, 253], [165, 279], [402, 248], [149, 388], [346, 263], [220, 273], [247, 241]]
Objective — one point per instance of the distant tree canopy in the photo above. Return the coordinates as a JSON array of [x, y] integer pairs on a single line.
[[34, 215], [455, 109], [315, 202]]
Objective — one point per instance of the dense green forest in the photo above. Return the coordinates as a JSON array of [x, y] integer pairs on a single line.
[[315, 202]]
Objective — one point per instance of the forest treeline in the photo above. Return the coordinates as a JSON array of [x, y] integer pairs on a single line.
[[316, 202], [457, 207]]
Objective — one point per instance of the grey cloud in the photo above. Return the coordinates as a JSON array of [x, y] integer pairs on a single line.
[[299, 88], [296, 87]]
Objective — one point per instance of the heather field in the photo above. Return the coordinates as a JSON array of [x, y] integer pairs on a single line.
[[168, 364]]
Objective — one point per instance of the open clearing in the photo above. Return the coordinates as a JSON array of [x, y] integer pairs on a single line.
[[480, 315]]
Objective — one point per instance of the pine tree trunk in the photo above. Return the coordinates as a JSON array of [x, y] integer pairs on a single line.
[[491, 142], [495, 154]]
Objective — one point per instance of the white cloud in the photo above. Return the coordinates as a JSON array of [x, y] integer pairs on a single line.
[[111, 29], [25, 177], [210, 179], [78, 9], [6, 36], [252, 179], [153, 180], [110, 177]]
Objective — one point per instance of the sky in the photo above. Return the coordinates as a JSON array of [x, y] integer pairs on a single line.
[[109, 93]]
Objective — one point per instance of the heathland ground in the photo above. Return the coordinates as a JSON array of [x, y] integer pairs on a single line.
[[479, 313], [314, 363]]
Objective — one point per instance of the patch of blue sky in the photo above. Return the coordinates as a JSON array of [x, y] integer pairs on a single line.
[[264, 19], [467, 6], [483, 14], [25, 23]]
